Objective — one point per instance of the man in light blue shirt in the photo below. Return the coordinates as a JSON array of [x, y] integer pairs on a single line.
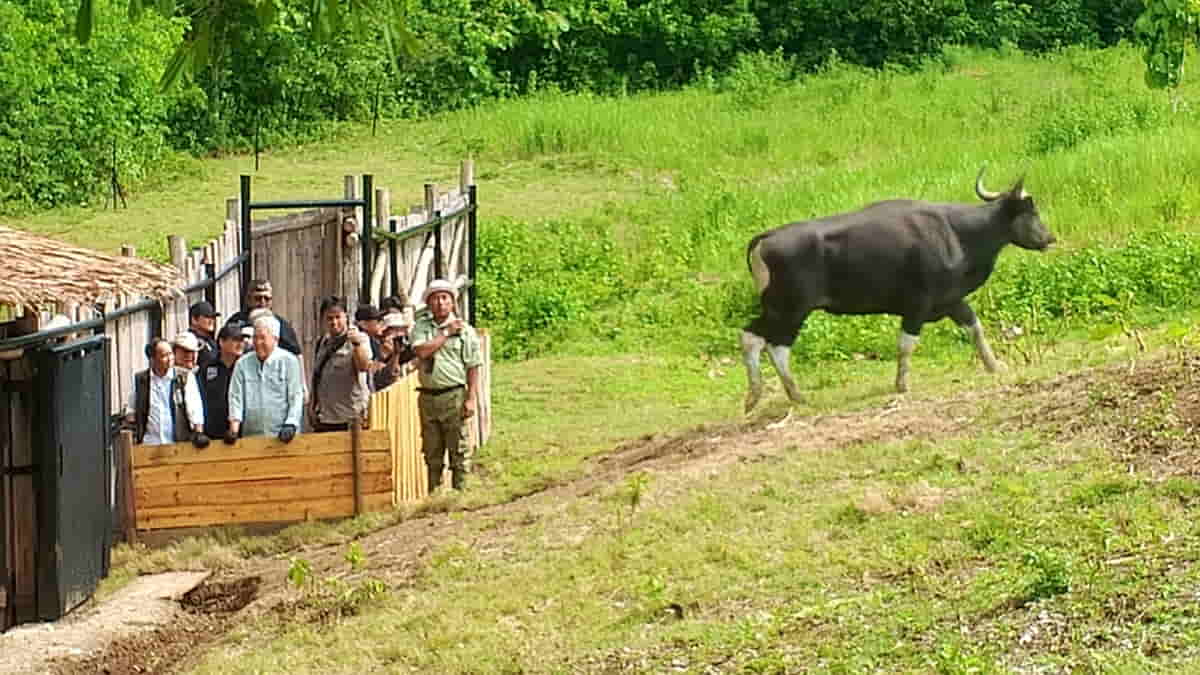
[[266, 392]]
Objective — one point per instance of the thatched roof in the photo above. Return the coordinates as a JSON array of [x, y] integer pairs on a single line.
[[38, 270]]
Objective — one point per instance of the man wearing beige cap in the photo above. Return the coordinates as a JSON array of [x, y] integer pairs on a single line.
[[185, 349], [448, 349]]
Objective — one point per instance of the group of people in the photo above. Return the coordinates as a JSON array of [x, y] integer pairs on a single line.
[[247, 379]]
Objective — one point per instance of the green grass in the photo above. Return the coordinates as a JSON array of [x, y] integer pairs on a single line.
[[616, 232], [989, 552]]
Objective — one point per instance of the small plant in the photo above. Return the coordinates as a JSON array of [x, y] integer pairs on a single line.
[[628, 498], [333, 597], [1050, 574]]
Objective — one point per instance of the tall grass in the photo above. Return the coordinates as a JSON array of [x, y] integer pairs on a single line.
[[1104, 156]]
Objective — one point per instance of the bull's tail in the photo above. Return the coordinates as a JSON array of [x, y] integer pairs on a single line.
[[758, 266]]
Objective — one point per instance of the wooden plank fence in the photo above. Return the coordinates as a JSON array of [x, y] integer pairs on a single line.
[[260, 480]]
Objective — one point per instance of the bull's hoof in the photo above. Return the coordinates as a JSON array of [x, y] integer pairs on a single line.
[[901, 387], [794, 395], [998, 367]]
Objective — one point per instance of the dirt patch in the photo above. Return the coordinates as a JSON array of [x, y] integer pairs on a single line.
[[1147, 413], [221, 597]]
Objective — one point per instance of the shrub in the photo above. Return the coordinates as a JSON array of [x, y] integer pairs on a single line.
[[63, 106]]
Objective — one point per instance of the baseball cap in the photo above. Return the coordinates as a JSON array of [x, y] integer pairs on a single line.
[[230, 331], [203, 308], [367, 313], [186, 341]]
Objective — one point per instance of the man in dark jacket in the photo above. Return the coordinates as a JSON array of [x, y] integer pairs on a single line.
[[202, 322], [260, 296], [214, 381]]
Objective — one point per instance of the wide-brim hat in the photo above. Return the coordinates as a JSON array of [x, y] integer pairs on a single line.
[[438, 286]]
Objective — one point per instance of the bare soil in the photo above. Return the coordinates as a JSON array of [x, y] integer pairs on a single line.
[[1147, 413]]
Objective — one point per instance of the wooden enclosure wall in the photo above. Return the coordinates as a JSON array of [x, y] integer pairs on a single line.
[[299, 255], [259, 480]]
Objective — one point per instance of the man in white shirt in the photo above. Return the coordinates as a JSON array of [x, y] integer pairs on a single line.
[[164, 407]]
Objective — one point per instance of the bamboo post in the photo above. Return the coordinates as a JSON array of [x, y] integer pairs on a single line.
[[355, 452], [383, 211], [177, 245], [125, 479], [466, 175]]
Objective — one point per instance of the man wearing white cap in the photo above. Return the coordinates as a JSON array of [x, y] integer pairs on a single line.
[[165, 404], [448, 349]]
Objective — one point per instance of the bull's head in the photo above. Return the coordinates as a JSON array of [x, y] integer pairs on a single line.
[[1021, 213]]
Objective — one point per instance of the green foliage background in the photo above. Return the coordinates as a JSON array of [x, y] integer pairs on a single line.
[[64, 104]]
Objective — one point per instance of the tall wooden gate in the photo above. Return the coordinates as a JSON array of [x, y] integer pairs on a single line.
[[302, 257]]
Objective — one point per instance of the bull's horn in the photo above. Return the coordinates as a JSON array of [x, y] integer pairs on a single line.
[[983, 193]]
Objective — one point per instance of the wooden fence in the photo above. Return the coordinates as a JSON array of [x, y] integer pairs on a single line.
[[260, 480], [394, 412]]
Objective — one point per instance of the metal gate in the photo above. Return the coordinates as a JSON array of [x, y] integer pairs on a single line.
[[74, 466]]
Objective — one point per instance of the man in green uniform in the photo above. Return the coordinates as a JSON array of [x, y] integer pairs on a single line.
[[449, 358]]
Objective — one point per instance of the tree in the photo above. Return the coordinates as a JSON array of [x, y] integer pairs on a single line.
[[1167, 27], [211, 21]]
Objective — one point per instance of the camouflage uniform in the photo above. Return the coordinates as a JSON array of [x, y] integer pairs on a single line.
[[443, 387]]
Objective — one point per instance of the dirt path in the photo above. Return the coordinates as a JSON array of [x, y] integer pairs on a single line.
[[146, 604], [1099, 402]]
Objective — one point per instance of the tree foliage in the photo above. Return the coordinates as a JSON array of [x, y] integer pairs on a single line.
[[1167, 28]]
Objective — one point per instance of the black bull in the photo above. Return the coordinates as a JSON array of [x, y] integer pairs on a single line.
[[916, 260]]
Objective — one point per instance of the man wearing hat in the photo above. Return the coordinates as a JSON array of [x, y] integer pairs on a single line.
[[202, 318], [165, 405], [260, 296], [394, 351], [448, 349], [214, 380], [185, 350], [370, 321]]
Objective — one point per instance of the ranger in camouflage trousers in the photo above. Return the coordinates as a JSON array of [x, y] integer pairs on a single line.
[[449, 358]]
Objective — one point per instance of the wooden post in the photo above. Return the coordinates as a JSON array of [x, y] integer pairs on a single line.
[[383, 210], [350, 253], [466, 175], [355, 452], [126, 498], [177, 245], [430, 191]]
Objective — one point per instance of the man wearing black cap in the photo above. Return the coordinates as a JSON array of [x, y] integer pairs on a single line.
[[214, 381], [370, 321], [203, 318]]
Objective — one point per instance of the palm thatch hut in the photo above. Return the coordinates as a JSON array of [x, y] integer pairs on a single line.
[[42, 271], [56, 488]]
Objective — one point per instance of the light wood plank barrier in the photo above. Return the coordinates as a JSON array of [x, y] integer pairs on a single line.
[[259, 480], [394, 411]]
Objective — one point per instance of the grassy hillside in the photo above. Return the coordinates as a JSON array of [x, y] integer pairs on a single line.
[[618, 224], [1038, 521]]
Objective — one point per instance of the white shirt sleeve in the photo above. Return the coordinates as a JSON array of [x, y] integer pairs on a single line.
[[133, 398], [191, 399]]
